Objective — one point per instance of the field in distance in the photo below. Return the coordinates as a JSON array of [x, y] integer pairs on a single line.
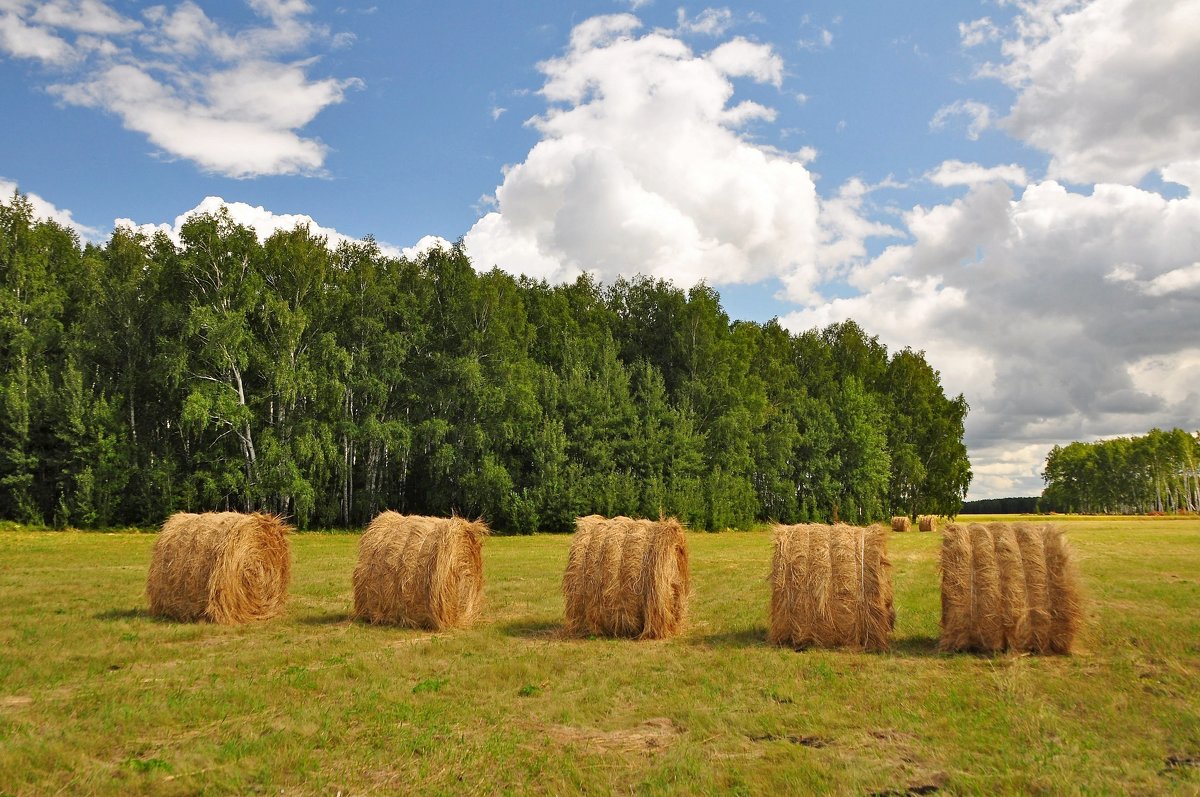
[[98, 698]]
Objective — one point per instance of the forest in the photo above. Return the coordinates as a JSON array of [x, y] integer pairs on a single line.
[[1157, 472], [144, 376]]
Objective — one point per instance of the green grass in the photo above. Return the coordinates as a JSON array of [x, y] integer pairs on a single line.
[[98, 698]]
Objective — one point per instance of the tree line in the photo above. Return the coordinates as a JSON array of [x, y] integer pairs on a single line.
[[145, 376], [1157, 472]]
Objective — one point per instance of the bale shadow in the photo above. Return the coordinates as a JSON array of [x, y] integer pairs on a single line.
[[535, 629], [916, 646], [329, 618], [741, 638], [126, 614]]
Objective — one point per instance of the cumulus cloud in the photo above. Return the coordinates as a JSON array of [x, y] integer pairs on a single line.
[[978, 31], [232, 102], [709, 22], [641, 169], [265, 223], [42, 209], [1061, 315], [956, 172], [979, 117], [1105, 87]]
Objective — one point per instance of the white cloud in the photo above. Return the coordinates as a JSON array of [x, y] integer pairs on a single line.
[[84, 16], [640, 169], [43, 209], [978, 114], [265, 223], [222, 99], [1106, 87], [1060, 315], [956, 172], [978, 31], [21, 40], [709, 22]]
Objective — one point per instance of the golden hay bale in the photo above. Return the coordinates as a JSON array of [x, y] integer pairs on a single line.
[[420, 572], [831, 586], [626, 577], [901, 523], [225, 567], [927, 523], [1008, 587]]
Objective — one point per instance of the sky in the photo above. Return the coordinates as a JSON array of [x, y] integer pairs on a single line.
[[1007, 186]]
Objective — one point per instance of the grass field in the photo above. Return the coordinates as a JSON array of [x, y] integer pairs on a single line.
[[98, 698]]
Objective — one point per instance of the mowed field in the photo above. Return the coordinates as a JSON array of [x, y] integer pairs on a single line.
[[98, 698]]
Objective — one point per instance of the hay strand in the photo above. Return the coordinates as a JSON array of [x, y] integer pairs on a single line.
[[627, 578], [221, 567], [831, 587], [901, 523], [420, 572], [1008, 587]]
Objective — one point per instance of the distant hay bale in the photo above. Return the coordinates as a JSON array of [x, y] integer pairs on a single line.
[[901, 523], [1008, 587], [927, 523], [224, 567], [627, 578], [420, 572], [831, 586]]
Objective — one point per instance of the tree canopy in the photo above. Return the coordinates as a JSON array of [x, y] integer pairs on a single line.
[[145, 376], [1157, 472]]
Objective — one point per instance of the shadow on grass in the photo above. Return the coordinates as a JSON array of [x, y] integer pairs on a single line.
[[329, 618], [127, 614], [534, 629], [916, 646], [741, 638]]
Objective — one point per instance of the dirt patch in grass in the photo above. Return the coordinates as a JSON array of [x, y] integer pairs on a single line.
[[650, 736]]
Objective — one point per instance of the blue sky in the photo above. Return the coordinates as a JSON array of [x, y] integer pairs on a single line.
[[1007, 186]]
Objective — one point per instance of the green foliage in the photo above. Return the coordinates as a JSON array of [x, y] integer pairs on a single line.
[[142, 377], [1158, 472]]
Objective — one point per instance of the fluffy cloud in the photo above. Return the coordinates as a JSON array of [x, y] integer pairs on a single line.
[[47, 210], [1106, 87], [955, 172], [979, 117], [265, 223], [641, 169], [223, 100], [1061, 315]]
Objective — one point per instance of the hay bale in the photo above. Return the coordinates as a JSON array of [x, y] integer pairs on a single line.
[[626, 577], [420, 572], [831, 586], [1008, 587], [927, 523], [901, 523], [224, 567]]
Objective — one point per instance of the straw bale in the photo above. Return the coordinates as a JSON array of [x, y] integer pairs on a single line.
[[831, 587], [927, 523], [626, 577], [420, 572], [1062, 591], [901, 523], [1008, 587], [223, 567]]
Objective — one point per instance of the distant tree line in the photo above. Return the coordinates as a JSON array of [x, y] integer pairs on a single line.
[[1002, 506], [1126, 475], [142, 376]]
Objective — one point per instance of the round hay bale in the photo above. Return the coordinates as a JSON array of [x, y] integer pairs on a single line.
[[831, 586], [223, 567], [901, 523], [927, 523], [626, 578], [1008, 587], [420, 572]]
